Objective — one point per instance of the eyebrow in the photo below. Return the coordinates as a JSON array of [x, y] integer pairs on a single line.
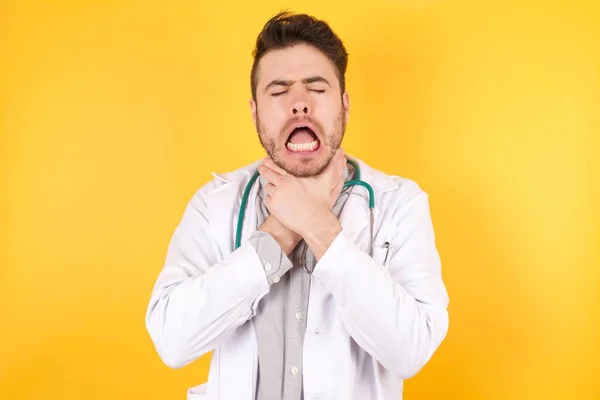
[[281, 82]]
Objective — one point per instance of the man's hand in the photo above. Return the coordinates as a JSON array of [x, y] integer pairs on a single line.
[[286, 238], [303, 205]]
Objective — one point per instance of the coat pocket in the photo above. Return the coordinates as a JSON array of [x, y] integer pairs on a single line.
[[382, 253]]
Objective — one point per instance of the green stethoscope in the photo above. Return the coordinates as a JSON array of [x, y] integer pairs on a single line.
[[355, 181]]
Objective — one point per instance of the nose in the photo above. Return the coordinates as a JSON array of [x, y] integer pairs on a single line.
[[300, 107], [300, 110]]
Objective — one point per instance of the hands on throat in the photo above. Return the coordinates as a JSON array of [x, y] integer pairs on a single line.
[[301, 208]]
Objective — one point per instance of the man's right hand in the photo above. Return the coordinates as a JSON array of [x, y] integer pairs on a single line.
[[286, 238]]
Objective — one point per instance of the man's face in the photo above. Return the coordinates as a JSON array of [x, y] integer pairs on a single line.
[[299, 113]]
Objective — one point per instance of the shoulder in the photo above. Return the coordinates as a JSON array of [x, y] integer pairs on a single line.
[[399, 200], [237, 178]]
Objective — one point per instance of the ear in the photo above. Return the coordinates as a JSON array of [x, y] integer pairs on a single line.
[[253, 110], [346, 105]]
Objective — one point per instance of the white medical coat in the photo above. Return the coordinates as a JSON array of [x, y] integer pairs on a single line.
[[369, 325]]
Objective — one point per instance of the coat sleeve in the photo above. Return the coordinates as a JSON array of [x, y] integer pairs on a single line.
[[397, 312], [196, 301]]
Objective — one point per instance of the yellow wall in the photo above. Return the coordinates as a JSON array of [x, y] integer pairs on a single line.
[[113, 113]]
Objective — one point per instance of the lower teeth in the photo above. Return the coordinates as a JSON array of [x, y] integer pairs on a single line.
[[298, 147]]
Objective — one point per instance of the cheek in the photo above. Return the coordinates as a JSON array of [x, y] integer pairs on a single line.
[[271, 116], [328, 112]]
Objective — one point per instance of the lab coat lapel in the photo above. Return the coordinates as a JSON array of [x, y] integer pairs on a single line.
[[238, 358], [355, 216], [223, 206]]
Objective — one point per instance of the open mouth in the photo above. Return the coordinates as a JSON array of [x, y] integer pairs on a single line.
[[302, 140]]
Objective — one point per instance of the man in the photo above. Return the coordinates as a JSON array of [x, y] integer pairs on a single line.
[[307, 307]]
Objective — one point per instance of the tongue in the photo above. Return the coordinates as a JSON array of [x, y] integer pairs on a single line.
[[302, 136]]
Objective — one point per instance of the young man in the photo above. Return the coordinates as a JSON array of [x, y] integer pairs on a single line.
[[314, 302]]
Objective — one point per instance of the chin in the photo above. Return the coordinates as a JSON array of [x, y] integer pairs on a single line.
[[305, 163]]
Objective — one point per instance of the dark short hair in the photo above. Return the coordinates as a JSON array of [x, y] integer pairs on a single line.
[[287, 29]]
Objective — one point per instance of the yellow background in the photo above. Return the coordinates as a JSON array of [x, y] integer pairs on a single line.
[[113, 113]]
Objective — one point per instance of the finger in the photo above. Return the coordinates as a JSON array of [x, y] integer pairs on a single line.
[[339, 184], [335, 192], [270, 175], [338, 165], [342, 155], [336, 159], [269, 193], [337, 189], [268, 162], [268, 202], [269, 189], [335, 166], [339, 154], [343, 160]]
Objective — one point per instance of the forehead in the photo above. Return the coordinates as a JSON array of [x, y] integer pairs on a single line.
[[294, 63]]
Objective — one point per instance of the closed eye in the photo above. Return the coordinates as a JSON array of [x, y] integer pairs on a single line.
[[312, 90]]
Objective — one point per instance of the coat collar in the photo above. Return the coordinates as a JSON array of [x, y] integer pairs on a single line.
[[223, 203]]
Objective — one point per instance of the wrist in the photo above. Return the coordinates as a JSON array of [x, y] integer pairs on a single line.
[[321, 234], [318, 224], [286, 238]]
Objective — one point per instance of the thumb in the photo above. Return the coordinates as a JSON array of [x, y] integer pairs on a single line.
[[268, 162], [335, 192], [336, 165]]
